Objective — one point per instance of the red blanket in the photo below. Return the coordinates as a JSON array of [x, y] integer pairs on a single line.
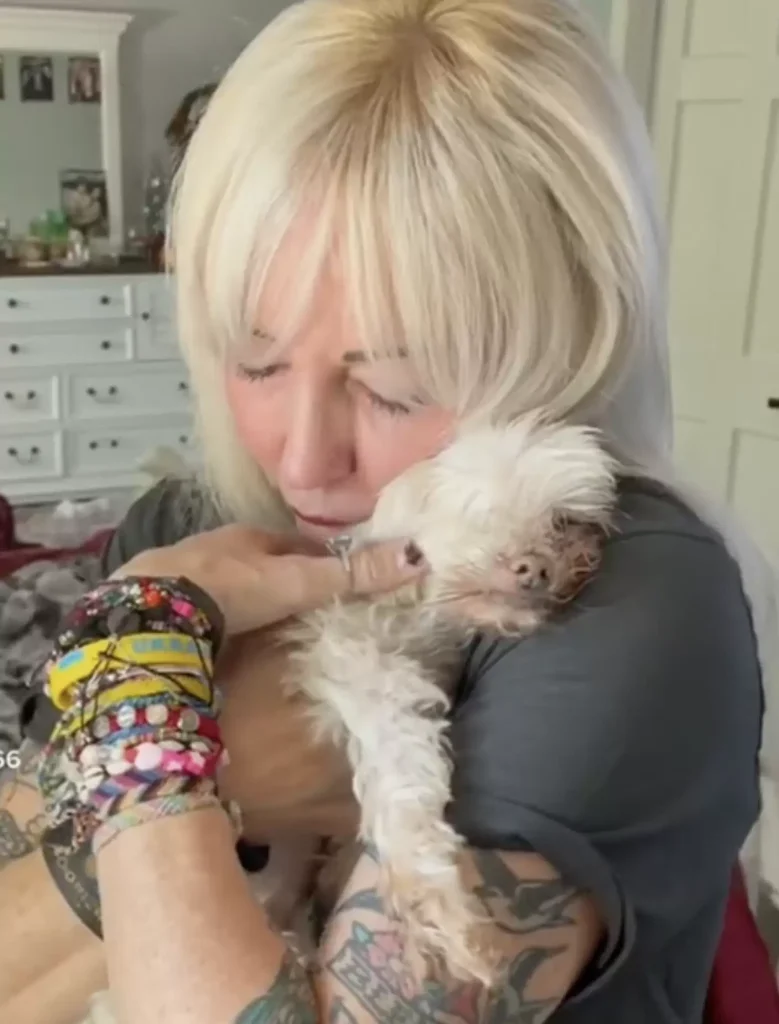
[[743, 987]]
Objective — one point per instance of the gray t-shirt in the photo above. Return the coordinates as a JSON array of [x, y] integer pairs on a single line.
[[620, 742]]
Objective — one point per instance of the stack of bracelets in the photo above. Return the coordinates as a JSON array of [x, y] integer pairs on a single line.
[[138, 737]]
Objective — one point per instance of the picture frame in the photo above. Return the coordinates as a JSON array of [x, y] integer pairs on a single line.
[[84, 80], [84, 199], [36, 79]]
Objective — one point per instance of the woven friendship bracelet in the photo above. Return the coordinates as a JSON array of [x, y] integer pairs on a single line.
[[165, 807]]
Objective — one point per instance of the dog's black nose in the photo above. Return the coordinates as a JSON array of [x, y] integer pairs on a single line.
[[532, 573]]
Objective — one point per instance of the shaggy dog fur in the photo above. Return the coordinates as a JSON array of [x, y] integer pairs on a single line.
[[510, 521]]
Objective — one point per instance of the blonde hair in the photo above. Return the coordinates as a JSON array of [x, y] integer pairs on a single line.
[[484, 175], [486, 178]]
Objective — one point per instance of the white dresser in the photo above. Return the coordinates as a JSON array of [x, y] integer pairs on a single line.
[[90, 383]]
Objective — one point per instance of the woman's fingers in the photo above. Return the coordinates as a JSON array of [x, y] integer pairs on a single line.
[[378, 568], [306, 583]]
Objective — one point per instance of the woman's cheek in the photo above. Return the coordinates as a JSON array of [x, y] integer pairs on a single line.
[[392, 444], [257, 426]]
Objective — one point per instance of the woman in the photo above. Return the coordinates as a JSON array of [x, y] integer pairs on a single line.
[[394, 216]]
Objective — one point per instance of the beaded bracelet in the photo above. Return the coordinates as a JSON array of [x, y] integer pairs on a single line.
[[138, 604], [132, 671]]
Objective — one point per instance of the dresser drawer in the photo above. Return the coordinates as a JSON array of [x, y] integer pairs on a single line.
[[128, 391], [106, 448], [107, 344], [28, 455], [27, 301], [29, 398], [157, 339]]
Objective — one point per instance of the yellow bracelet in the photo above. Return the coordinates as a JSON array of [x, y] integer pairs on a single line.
[[140, 649], [114, 696]]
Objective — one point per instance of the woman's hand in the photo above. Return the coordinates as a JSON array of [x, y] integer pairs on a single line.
[[259, 578]]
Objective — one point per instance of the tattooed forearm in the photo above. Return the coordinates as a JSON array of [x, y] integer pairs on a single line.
[[25, 776], [17, 839], [72, 868], [371, 968], [290, 1000], [341, 1014], [522, 906], [366, 978]]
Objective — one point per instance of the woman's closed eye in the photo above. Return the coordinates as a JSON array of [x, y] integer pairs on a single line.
[[391, 407], [385, 405], [259, 372]]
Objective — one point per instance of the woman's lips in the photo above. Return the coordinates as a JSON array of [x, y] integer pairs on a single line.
[[329, 524]]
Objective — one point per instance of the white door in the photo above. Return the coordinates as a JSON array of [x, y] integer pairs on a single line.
[[716, 127]]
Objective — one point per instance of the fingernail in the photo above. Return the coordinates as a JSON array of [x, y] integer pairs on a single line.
[[412, 556]]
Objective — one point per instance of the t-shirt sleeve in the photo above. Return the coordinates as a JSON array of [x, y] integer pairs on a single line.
[[169, 511], [620, 742]]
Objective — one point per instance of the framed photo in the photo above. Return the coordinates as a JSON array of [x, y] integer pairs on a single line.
[[84, 85], [36, 79], [2, 78], [85, 201]]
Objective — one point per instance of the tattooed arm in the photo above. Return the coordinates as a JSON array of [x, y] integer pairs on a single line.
[[21, 808], [546, 931], [49, 962]]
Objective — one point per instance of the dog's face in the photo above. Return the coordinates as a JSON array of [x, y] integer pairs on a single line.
[[510, 519]]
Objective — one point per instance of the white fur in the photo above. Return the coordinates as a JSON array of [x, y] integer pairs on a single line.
[[378, 672]]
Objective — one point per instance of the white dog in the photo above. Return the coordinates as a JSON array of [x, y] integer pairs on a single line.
[[510, 521]]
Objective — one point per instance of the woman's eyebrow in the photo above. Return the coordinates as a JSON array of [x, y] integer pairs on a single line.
[[355, 357]]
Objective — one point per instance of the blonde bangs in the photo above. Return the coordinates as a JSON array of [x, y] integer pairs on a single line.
[[471, 169]]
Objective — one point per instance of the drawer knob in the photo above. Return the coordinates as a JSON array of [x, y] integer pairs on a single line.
[[145, 316], [114, 444], [111, 392], [13, 303], [105, 300], [183, 386], [94, 444], [183, 439], [14, 349], [105, 345], [773, 404], [9, 396]]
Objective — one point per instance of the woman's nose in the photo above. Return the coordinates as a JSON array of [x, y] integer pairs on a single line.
[[319, 444]]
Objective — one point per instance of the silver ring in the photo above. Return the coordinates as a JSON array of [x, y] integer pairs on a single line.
[[341, 548]]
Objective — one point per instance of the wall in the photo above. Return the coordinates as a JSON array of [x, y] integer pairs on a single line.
[[38, 140], [170, 47], [601, 10]]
